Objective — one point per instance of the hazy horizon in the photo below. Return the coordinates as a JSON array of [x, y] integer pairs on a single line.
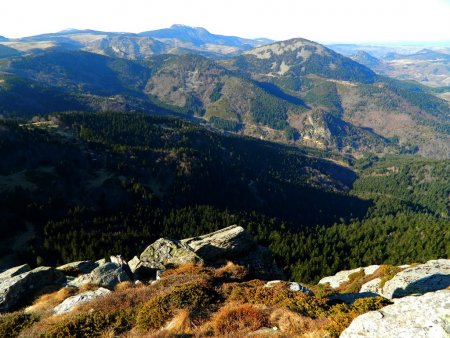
[[326, 21]]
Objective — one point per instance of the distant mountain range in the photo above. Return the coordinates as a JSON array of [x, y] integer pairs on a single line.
[[178, 39], [295, 91], [429, 66]]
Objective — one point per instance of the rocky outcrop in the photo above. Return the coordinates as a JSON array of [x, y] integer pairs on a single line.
[[413, 316], [343, 276], [78, 268], [17, 270], [107, 275], [166, 253], [15, 290], [226, 243], [234, 244], [70, 303], [432, 276]]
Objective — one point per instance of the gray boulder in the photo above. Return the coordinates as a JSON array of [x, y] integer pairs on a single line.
[[120, 261], [17, 270], [432, 276], [107, 275], [343, 276], [78, 268], [141, 270], [17, 289], [70, 303], [226, 243], [413, 316], [166, 253]]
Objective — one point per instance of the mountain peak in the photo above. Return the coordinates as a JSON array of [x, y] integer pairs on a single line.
[[288, 46]]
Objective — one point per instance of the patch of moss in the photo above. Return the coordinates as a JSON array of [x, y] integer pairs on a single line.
[[387, 273]]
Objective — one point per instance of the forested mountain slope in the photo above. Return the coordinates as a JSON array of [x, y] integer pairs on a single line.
[[117, 181]]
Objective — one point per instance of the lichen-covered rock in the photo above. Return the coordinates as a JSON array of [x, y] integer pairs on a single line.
[[70, 303], [15, 290], [107, 275], [423, 316], [432, 276], [17, 270], [166, 253], [226, 243], [78, 268], [343, 276]]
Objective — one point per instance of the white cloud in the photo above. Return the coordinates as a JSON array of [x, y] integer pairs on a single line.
[[320, 20]]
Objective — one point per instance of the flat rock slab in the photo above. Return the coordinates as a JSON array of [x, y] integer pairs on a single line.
[[78, 268], [226, 243], [432, 276], [426, 316], [293, 286], [70, 303], [15, 290]]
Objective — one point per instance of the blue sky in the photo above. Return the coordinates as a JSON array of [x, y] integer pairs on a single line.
[[319, 20]]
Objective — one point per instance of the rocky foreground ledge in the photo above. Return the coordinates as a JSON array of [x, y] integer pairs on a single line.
[[196, 286]]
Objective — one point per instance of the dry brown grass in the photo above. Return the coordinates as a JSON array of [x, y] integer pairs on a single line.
[[44, 305], [232, 271], [295, 325], [123, 286], [238, 319], [181, 323]]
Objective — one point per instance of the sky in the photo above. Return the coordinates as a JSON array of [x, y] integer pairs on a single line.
[[324, 21]]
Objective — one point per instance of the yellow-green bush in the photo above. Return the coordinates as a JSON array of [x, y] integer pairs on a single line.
[[92, 325], [11, 324], [192, 296]]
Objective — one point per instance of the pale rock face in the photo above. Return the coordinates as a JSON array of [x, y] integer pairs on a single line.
[[107, 275], [343, 276], [372, 286], [228, 242], [16, 289], [17, 270], [426, 316], [70, 303], [431, 276]]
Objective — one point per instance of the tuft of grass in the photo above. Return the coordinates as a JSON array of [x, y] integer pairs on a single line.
[[231, 271], [44, 304], [293, 324], [239, 319], [387, 273]]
